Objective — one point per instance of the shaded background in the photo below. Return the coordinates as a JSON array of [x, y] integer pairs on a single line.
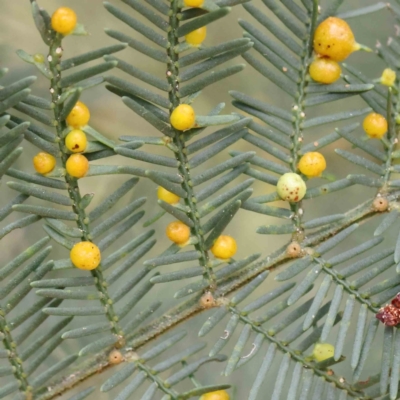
[[113, 119]]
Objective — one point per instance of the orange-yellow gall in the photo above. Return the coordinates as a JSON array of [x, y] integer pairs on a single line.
[[196, 37], [294, 250], [207, 300], [77, 165], [79, 115], [85, 255], [375, 125], [193, 3], [217, 395], [44, 163], [312, 164], [388, 77], [224, 247], [64, 20], [76, 141], [334, 39], [178, 232], [323, 70], [167, 196], [115, 357], [380, 204], [183, 117]]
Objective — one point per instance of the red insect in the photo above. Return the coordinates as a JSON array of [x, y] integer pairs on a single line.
[[389, 315]]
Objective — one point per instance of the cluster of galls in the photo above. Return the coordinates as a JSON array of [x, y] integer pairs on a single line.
[[389, 315], [225, 247]]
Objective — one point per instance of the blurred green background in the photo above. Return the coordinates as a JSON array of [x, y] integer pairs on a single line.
[[113, 119]]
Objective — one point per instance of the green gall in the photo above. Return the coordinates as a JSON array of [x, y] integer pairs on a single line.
[[291, 187]]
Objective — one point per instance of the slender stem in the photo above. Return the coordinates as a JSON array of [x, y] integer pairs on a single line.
[[54, 58], [15, 361], [298, 111], [181, 153]]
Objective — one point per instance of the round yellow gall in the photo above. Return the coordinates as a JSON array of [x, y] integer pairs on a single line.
[[217, 395], [334, 39], [115, 357], [388, 77], [324, 70], [193, 3], [76, 141], [323, 351], [380, 204], [375, 125], [85, 255], [64, 20], [196, 37], [77, 165], [178, 232], [312, 164], [79, 115], [167, 196], [291, 187], [183, 117], [294, 250], [44, 163], [224, 247]]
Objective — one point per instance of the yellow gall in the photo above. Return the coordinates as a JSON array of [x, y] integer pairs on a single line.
[[375, 125], [380, 204], [76, 141], [39, 58], [85, 255], [217, 395], [44, 163], [323, 70], [224, 247], [193, 3], [196, 37], [77, 165], [207, 300], [79, 115], [312, 164], [294, 250], [64, 20], [388, 77], [334, 39], [115, 357], [178, 232], [323, 351], [167, 196], [183, 117]]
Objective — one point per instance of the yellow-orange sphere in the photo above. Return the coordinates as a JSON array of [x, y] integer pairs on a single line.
[[375, 125], [224, 247], [79, 115], [167, 196], [196, 37], [324, 70], [334, 38], [44, 163], [76, 141], [312, 164], [64, 20], [178, 232], [183, 117], [77, 165], [193, 3], [85, 255], [388, 77], [217, 395]]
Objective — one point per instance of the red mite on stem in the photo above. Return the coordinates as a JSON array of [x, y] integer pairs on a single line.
[[389, 315]]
